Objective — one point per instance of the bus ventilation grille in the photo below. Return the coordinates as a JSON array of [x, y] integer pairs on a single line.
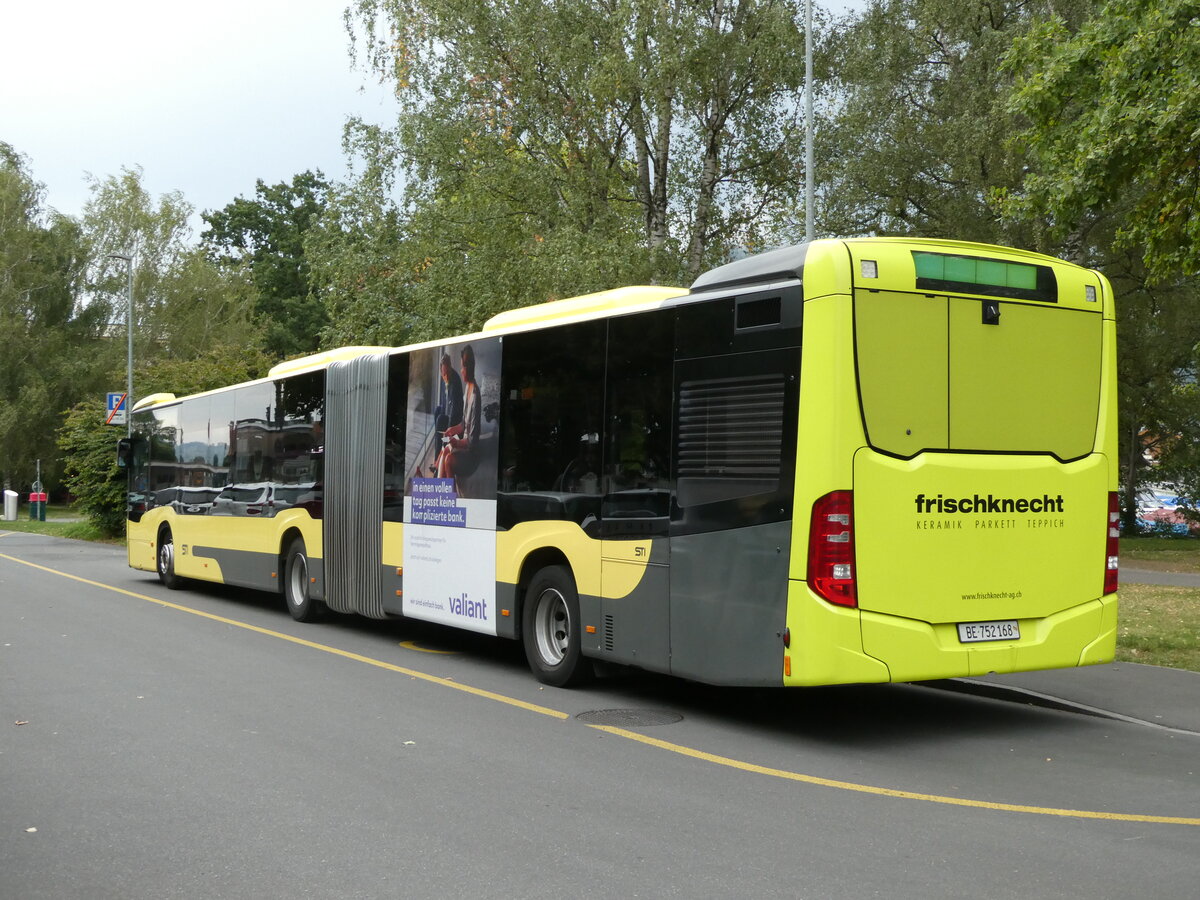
[[608, 633], [731, 428]]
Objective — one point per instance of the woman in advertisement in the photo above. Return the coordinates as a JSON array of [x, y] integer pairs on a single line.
[[458, 457]]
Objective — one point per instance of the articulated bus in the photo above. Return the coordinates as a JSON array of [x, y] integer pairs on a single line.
[[862, 460]]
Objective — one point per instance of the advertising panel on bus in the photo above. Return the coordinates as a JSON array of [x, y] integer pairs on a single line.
[[451, 463]]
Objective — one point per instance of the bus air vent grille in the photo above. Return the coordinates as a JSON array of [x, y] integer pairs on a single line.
[[731, 427]]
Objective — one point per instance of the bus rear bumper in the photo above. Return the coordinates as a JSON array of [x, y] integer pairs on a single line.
[[826, 643], [919, 651], [836, 645]]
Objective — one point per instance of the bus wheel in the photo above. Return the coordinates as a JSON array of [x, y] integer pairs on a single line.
[[303, 607], [166, 561], [550, 629]]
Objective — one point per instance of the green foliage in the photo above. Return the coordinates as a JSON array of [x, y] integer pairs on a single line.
[[363, 269], [917, 139], [1112, 112], [122, 217], [51, 347], [266, 235], [215, 367], [553, 148], [184, 302], [1158, 332], [91, 472]]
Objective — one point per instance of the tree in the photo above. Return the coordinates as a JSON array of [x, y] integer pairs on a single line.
[[184, 304], [122, 217], [194, 327], [1158, 331], [552, 148], [90, 469], [361, 268], [51, 342], [916, 141], [266, 235], [1109, 105], [1112, 111]]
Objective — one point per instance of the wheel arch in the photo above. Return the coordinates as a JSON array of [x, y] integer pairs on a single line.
[[533, 563], [288, 535]]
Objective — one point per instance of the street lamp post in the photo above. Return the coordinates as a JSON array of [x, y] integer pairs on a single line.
[[809, 212], [129, 337]]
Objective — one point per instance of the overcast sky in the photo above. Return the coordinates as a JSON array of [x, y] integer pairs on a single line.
[[205, 97]]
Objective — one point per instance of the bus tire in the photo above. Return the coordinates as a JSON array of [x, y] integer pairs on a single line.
[[166, 561], [300, 603], [550, 629]]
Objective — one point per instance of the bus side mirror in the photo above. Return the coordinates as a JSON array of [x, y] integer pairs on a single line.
[[124, 453]]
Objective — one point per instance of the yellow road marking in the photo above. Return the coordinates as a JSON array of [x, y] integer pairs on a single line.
[[412, 673], [886, 792], [413, 645], [680, 749]]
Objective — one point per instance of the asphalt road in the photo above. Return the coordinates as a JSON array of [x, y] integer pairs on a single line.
[[158, 744]]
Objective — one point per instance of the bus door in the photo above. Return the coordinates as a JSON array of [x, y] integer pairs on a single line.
[[637, 490]]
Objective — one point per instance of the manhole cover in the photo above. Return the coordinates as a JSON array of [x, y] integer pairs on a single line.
[[629, 718]]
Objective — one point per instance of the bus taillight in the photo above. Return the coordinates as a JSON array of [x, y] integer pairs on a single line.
[[831, 549], [1111, 549]]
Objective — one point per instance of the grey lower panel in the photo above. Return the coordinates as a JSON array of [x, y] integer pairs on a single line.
[[729, 604], [316, 571], [506, 598], [392, 586], [244, 568], [634, 629]]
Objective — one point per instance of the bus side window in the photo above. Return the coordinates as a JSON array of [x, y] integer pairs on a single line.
[[637, 437], [550, 424]]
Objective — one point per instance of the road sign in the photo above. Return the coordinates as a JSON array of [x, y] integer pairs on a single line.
[[116, 409]]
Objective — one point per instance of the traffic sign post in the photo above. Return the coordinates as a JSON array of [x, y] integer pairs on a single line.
[[115, 408]]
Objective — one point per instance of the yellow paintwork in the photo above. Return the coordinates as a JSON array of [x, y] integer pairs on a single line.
[[918, 651], [393, 544], [1050, 399], [610, 569], [218, 532], [903, 384], [316, 361], [153, 400], [826, 642], [626, 299], [957, 385], [830, 429], [923, 566], [633, 551]]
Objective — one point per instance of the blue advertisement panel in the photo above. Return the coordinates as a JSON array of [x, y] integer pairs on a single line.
[[450, 488]]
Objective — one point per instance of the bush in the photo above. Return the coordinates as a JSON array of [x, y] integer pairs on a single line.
[[90, 466]]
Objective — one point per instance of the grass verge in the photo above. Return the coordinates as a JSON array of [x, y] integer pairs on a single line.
[[61, 521], [1161, 554], [1159, 625]]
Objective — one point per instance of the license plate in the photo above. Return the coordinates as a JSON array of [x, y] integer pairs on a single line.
[[974, 632]]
